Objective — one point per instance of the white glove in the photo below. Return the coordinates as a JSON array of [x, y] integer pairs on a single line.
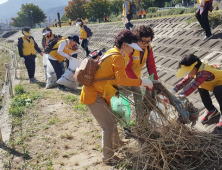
[[202, 3], [69, 58], [173, 92], [22, 60], [88, 38], [147, 83]]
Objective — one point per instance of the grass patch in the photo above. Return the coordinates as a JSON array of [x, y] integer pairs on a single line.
[[19, 89], [80, 107], [54, 120]]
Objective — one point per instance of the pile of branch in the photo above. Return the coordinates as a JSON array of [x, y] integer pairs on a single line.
[[164, 143]]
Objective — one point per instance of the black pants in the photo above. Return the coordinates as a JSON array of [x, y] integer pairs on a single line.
[[203, 19], [59, 69], [129, 25], [206, 99], [30, 65], [85, 46]]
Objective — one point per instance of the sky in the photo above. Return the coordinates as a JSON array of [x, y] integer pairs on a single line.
[[3, 1]]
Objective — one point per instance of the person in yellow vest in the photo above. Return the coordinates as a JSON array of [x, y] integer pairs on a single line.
[[138, 60], [126, 13], [97, 96], [204, 77], [202, 17], [144, 13], [64, 49], [27, 48], [140, 14], [47, 35], [70, 22], [84, 35]]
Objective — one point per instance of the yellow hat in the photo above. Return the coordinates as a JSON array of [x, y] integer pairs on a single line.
[[27, 33], [185, 70]]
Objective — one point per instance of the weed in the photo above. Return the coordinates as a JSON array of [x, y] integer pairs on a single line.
[[26, 154], [55, 154], [99, 137], [65, 155], [17, 111], [70, 98], [54, 120], [19, 89], [80, 107], [88, 119], [74, 153]]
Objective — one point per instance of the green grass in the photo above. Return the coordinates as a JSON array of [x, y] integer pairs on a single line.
[[19, 89], [70, 98], [80, 107]]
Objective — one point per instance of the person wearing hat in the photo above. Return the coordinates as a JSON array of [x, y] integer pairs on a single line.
[[204, 77], [47, 35], [84, 35], [27, 48], [97, 96], [64, 49]]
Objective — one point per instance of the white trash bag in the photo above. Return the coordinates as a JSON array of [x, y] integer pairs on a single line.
[[45, 59], [51, 76], [67, 78]]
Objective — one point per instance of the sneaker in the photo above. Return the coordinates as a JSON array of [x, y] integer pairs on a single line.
[[203, 33], [207, 37], [32, 80], [133, 28], [219, 125], [209, 115]]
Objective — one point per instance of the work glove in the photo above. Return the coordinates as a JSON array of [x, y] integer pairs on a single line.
[[22, 60], [80, 38], [88, 38], [202, 3], [147, 83]]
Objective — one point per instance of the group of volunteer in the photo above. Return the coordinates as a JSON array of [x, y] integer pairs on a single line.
[[122, 69]]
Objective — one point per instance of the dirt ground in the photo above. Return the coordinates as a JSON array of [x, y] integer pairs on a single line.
[[56, 133]]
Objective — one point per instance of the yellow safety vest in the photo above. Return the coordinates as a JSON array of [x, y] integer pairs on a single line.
[[137, 65], [28, 46], [216, 71], [66, 50], [83, 32], [124, 8], [198, 1]]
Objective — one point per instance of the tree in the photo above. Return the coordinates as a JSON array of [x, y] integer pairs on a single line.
[[29, 15], [64, 18], [116, 7], [97, 8], [75, 9]]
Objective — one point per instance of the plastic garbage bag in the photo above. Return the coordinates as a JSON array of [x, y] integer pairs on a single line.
[[121, 109], [51, 76]]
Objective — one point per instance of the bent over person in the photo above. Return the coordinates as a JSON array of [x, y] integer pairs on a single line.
[[27, 48], [204, 77], [97, 96]]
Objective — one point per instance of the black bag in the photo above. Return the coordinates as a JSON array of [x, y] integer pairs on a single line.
[[51, 44]]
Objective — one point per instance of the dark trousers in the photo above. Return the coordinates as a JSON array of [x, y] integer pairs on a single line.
[[129, 25], [206, 99], [85, 46], [203, 20], [58, 68], [30, 65]]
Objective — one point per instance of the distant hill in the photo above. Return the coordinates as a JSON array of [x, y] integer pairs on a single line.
[[11, 7]]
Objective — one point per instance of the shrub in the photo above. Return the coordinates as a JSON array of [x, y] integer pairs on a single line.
[[19, 89], [17, 111], [152, 9]]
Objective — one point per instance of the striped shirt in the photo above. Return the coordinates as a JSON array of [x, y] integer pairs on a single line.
[[194, 82]]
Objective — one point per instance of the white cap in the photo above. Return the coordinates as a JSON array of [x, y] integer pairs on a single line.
[[135, 46], [78, 23], [45, 32]]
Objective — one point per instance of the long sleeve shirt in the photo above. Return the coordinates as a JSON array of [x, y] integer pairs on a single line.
[[20, 46], [194, 82], [150, 65]]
